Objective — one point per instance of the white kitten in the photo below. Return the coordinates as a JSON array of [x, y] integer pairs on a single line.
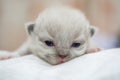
[[58, 35]]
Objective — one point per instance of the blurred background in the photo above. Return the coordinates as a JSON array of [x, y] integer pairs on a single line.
[[104, 14]]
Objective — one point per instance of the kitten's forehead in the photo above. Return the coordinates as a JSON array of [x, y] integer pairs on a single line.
[[63, 16], [63, 31], [59, 22]]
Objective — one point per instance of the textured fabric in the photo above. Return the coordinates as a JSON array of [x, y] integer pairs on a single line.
[[103, 65]]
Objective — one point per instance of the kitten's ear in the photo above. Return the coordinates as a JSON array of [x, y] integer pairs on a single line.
[[30, 27], [93, 29]]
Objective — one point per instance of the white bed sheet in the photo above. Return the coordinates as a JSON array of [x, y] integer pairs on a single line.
[[104, 65]]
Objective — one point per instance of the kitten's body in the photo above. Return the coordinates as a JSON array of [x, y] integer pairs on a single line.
[[58, 35]]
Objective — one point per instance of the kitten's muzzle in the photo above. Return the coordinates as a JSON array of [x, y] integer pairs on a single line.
[[63, 53], [62, 56]]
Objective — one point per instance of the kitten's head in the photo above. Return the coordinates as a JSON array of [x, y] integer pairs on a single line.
[[60, 34]]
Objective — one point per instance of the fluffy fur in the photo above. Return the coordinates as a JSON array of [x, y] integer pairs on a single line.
[[63, 26]]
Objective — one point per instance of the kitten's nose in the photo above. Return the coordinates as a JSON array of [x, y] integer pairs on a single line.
[[62, 55]]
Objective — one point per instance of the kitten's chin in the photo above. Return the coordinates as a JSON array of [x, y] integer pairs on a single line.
[[56, 63], [56, 60], [53, 60]]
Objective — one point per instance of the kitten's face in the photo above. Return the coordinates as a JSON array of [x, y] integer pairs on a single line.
[[57, 40]]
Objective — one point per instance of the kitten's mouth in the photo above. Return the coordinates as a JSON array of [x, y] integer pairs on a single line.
[[62, 58], [58, 59], [61, 61]]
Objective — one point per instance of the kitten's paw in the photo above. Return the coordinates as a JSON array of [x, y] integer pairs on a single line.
[[94, 50], [6, 57]]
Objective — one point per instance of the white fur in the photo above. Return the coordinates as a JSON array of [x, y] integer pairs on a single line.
[[63, 26]]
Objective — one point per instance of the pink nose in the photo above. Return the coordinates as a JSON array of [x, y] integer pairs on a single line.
[[62, 56]]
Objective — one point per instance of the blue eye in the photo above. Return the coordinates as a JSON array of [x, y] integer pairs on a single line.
[[49, 43], [75, 45]]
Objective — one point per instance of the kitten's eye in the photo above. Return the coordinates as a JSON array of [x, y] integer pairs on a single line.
[[49, 43], [75, 45]]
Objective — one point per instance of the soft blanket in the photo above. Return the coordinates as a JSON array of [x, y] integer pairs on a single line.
[[104, 65]]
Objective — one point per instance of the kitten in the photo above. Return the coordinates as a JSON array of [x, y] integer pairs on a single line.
[[59, 34]]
